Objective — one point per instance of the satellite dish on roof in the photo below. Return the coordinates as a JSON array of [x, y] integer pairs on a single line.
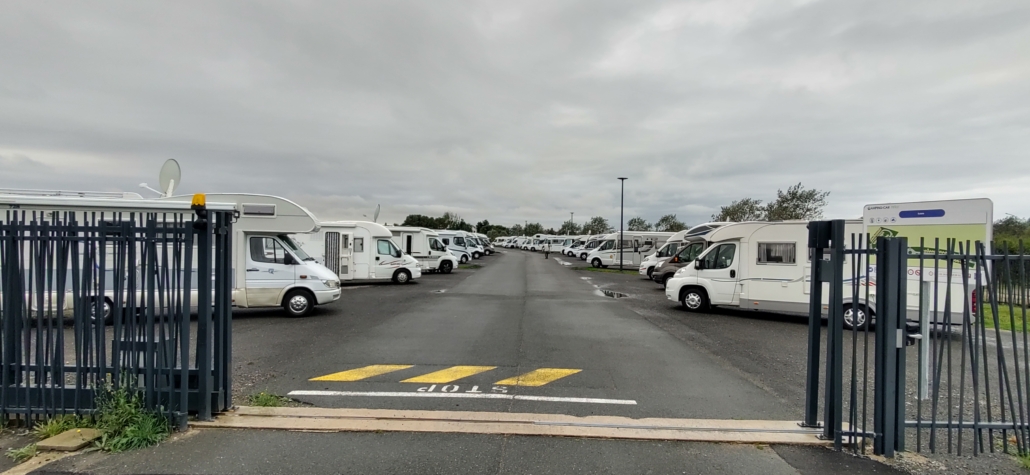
[[375, 216], [170, 176]]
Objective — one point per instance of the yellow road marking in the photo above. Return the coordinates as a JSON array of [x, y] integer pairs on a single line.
[[358, 374], [453, 373], [538, 377]]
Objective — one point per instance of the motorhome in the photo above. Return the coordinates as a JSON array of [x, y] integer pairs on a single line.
[[426, 247], [458, 241], [633, 247], [765, 266], [501, 240], [589, 245], [692, 246], [673, 244], [575, 243], [484, 242], [361, 251]]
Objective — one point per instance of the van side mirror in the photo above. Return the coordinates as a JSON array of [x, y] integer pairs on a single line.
[[397, 254], [699, 264], [675, 259], [288, 260]]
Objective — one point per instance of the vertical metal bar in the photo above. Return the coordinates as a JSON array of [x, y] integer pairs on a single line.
[[889, 262], [204, 282], [835, 338], [184, 324], [1021, 416], [855, 309], [899, 330], [815, 323]]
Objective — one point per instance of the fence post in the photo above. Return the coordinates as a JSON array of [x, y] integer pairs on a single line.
[[202, 226], [891, 314], [818, 241], [834, 407]]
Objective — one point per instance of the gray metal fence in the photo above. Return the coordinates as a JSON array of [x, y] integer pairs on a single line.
[[89, 300], [941, 366]]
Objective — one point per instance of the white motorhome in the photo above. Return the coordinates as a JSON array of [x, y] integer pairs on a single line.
[[673, 244], [765, 266], [425, 246], [501, 240], [360, 251], [458, 241], [484, 242], [575, 242], [634, 246], [270, 264], [589, 245]]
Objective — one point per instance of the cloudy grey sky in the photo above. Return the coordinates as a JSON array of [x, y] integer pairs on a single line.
[[522, 110]]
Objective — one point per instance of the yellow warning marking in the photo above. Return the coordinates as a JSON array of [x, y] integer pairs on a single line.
[[538, 377], [453, 373], [358, 374]]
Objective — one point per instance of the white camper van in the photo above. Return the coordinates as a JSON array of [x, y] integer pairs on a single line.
[[362, 251], [270, 264], [634, 246], [765, 266], [673, 244], [425, 246], [458, 241], [592, 243]]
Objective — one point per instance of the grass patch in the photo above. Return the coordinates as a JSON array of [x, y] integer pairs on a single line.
[[1024, 461], [470, 266], [126, 423], [23, 454], [263, 399], [1004, 317], [609, 270], [59, 424]]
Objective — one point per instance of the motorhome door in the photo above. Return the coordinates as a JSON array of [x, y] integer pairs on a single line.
[[267, 272], [720, 269], [338, 254]]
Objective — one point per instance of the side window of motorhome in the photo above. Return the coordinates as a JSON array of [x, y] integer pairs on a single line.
[[720, 257], [267, 250], [384, 248], [459, 240], [345, 241], [435, 245], [446, 241], [777, 253], [359, 245]]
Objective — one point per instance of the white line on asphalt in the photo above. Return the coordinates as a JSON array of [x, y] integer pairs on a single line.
[[509, 397]]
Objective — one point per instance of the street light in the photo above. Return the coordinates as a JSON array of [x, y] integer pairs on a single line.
[[622, 204], [572, 221]]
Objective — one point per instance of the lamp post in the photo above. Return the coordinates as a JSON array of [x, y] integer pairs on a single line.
[[572, 221], [622, 204]]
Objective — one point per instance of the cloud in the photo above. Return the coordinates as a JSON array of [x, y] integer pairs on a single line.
[[523, 111]]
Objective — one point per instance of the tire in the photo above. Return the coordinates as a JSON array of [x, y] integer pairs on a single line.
[[863, 315], [107, 309], [446, 267], [402, 276], [665, 280], [650, 272], [694, 299], [476, 255], [299, 303], [464, 258], [596, 263]]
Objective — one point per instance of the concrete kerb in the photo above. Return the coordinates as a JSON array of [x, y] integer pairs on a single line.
[[607, 427]]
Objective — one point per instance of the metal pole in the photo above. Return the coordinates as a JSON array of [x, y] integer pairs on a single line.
[[622, 204], [834, 406], [818, 240]]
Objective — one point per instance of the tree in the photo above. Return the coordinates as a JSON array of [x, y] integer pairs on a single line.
[[669, 224], [517, 230], [550, 231], [1009, 233], [638, 224], [797, 203], [570, 227], [534, 228], [450, 220], [596, 225], [747, 209], [422, 221]]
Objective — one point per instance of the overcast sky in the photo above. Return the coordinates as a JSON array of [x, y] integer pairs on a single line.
[[521, 110]]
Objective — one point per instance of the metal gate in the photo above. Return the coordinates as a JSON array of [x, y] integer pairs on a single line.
[[942, 364], [91, 299]]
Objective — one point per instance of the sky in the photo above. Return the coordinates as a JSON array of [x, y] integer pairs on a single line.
[[527, 110]]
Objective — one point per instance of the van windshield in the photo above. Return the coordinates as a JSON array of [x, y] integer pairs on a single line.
[[607, 245], [691, 251], [666, 251], [290, 243], [592, 244]]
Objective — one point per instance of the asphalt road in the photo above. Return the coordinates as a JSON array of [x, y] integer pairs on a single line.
[[520, 326]]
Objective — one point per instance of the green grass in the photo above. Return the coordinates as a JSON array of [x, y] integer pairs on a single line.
[[470, 266], [126, 423], [1004, 317], [59, 424], [1024, 461], [264, 399], [610, 270], [23, 454]]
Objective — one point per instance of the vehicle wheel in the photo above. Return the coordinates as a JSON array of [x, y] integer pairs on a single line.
[[476, 255], [446, 267], [107, 308], [856, 317], [464, 258], [596, 263], [650, 272], [402, 276], [298, 303], [665, 280], [694, 299]]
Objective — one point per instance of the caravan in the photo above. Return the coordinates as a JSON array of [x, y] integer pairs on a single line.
[[634, 246], [426, 247], [362, 250]]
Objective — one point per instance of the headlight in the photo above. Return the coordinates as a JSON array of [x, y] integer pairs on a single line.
[[659, 263], [332, 284], [681, 271]]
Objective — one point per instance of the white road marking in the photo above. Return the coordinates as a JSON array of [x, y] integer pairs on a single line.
[[509, 397]]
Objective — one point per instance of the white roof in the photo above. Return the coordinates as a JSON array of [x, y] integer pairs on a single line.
[[288, 217], [107, 204], [377, 230]]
